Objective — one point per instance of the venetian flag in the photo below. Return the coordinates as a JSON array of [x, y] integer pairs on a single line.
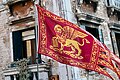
[[67, 43]]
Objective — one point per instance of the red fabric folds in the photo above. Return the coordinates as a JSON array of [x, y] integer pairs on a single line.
[[67, 43]]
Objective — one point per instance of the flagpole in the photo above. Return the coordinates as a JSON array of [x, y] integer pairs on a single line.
[[36, 35]]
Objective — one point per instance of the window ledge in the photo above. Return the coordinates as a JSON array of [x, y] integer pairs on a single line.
[[89, 18], [114, 26], [13, 20], [32, 68], [95, 0]]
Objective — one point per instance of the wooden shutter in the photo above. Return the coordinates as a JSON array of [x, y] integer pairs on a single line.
[[17, 45]]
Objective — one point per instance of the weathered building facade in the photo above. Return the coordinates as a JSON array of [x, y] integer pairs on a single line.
[[17, 36]]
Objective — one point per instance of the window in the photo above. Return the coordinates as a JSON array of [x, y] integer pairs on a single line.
[[93, 31], [24, 45], [117, 35], [97, 33], [113, 3]]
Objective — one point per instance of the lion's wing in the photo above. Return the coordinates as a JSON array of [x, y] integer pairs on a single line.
[[71, 33]]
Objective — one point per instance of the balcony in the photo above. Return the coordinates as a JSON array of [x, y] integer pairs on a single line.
[[43, 69]]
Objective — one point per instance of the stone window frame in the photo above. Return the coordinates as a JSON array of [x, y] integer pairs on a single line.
[[29, 37]]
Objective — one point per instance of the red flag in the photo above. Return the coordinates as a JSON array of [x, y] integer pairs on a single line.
[[115, 58], [69, 44]]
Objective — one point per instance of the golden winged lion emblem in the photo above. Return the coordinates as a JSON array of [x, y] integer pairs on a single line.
[[65, 36]]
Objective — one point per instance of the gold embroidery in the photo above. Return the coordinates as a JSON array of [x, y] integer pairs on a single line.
[[65, 36], [53, 54], [92, 64]]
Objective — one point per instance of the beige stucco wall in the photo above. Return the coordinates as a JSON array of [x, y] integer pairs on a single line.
[[5, 53]]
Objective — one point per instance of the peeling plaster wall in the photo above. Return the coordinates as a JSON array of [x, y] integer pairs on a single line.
[[5, 53]]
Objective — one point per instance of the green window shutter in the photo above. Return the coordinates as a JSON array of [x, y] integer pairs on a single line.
[[17, 45]]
